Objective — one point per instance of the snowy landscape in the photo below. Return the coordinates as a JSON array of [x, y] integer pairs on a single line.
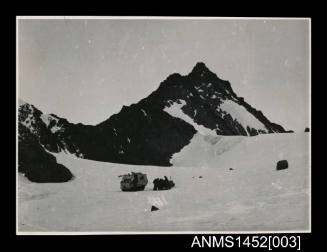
[[251, 197], [141, 126]]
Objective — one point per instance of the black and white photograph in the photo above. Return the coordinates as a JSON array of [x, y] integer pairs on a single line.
[[163, 125]]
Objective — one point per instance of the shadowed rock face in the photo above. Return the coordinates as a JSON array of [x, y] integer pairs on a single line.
[[35, 163], [145, 133]]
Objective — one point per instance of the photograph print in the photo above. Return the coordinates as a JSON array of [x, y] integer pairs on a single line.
[[163, 125]]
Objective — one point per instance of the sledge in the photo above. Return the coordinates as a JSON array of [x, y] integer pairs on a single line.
[[163, 184]]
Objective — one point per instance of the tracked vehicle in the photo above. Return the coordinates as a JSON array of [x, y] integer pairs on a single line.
[[136, 181]]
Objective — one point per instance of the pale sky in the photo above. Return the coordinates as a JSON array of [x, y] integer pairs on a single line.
[[86, 70]]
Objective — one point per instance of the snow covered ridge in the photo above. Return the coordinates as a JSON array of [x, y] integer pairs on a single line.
[[51, 122], [227, 107], [239, 113], [29, 116], [45, 127], [175, 110]]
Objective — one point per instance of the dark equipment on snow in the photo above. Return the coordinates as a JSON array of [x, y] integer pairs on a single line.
[[133, 182], [154, 208], [282, 164], [163, 184]]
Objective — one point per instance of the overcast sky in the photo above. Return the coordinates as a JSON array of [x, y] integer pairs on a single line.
[[86, 70]]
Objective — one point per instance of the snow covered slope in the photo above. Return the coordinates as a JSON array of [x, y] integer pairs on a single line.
[[208, 195], [239, 113], [175, 110], [204, 150]]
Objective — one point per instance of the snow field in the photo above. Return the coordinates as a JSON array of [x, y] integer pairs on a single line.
[[251, 197]]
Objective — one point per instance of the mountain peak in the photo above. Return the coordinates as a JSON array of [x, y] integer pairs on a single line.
[[199, 69], [164, 122]]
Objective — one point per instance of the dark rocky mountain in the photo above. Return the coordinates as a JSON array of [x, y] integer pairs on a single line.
[[152, 130], [35, 163]]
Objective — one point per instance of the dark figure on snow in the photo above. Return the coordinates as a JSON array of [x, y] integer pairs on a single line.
[[162, 184]]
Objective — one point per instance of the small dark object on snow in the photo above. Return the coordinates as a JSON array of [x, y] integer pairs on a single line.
[[163, 184], [154, 208], [282, 164], [231, 169], [307, 130], [200, 176]]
